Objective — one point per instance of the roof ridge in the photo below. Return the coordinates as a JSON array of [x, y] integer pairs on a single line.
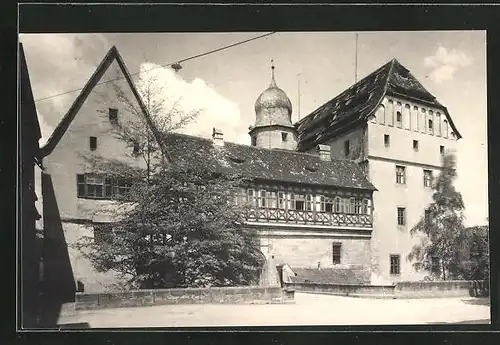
[[261, 148], [112, 55]]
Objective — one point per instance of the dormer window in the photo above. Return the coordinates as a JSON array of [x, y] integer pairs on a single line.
[[284, 136], [113, 116]]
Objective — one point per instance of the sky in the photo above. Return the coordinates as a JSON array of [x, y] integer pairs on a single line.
[[225, 85]]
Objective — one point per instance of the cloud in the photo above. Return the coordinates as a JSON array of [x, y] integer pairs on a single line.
[[45, 129], [446, 63], [196, 95]]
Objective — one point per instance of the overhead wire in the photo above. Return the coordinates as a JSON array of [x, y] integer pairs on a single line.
[[165, 65]]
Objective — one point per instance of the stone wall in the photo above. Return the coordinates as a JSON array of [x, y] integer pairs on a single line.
[[224, 295], [423, 289]]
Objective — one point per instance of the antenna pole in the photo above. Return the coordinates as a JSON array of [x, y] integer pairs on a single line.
[[356, 61]]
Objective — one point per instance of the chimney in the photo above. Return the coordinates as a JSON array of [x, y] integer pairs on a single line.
[[324, 152], [218, 137]]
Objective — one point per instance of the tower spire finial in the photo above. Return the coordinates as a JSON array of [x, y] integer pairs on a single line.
[[273, 81]]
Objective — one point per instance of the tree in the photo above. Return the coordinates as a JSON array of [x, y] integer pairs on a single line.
[[443, 249], [183, 230], [175, 224]]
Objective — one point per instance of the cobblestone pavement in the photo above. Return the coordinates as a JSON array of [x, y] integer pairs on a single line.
[[309, 309]]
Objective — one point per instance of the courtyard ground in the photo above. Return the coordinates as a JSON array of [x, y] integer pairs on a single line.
[[309, 309]]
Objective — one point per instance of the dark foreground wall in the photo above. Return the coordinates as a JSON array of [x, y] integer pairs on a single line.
[[224, 295], [422, 289]]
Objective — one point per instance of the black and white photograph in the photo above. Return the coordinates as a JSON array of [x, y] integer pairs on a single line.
[[277, 178]]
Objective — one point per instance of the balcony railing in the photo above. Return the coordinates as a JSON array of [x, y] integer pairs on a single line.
[[266, 215]]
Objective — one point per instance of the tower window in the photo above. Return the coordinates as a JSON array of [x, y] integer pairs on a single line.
[[400, 174], [113, 116], [395, 268], [336, 253], [284, 136], [415, 145], [427, 178], [93, 143], [441, 149], [399, 119], [347, 148], [401, 216], [254, 141], [386, 140]]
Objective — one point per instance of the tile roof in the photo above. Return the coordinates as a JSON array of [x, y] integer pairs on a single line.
[[358, 102], [331, 276], [267, 164]]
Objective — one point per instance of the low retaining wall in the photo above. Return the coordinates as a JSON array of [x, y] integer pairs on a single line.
[[419, 289], [343, 289], [224, 295]]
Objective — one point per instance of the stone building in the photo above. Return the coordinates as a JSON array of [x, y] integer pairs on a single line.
[[312, 211], [397, 132]]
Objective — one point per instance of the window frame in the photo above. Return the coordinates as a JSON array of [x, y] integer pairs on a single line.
[[399, 119], [113, 116], [337, 253], [400, 174], [102, 187], [401, 215], [92, 143], [395, 264], [284, 136], [427, 178]]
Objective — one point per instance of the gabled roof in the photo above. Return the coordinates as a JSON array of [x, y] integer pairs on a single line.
[[356, 104], [266, 164], [26, 101], [112, 55]]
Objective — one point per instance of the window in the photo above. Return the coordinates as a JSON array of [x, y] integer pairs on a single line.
[[352, 205], [298, 202], [281, 200], [271, 199], [401, 216], [441, 149], [415, 145], [113, 116], [399, 119], [430, 125], [347, 148], [400, 174], [358, 207], [445, 129], [326, 204], [386, 140], [336, 253], [338, 205], [284, 136], [427, 216], [93, 143], [395, 268], [366, 206], [309, 203], [251, 197], [262, 199], [136, 150], [100, 187], [254, 141], [427, 178]]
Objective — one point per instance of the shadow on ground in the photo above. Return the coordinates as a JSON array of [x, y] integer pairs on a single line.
[[478, 301]]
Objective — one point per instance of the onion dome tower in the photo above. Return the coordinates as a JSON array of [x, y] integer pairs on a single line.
[[273, 119]]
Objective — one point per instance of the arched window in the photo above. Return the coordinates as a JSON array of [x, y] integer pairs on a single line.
[[399, 119], [380, 115], [445, 129], [337, 205], [438, 124], [430, 122], [352, 205], [389, 114], [415, 116], [423, 123], [407, 117]]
